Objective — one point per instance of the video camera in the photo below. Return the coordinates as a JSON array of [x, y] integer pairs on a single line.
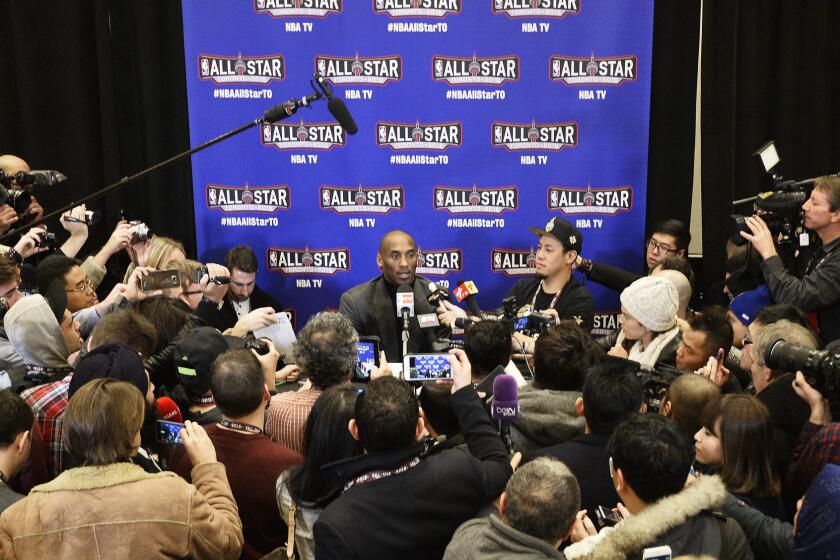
[[534, 323], [655, 382], [820, 367]]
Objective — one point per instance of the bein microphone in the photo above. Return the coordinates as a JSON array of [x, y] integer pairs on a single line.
[[336, 107], [405, 304], [505, 406], [466, 292], [168, 410], [40, 178]]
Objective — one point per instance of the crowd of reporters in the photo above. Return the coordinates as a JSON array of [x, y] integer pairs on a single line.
[[678, 430]]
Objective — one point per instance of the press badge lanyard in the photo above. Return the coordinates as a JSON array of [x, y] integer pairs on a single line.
[[239, 426], [533, 305]]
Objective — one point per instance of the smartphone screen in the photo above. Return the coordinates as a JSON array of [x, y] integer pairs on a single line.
[[169, 432], [367, 358], [160, 279], [426, 367]]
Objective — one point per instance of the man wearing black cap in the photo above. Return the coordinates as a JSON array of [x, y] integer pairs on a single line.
[[194, 355], [553, 290]]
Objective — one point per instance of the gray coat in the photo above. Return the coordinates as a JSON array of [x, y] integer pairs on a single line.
[[489, 538]]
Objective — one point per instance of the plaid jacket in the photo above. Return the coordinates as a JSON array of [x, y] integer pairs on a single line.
[[286, 418], [817, 446], [48, 403]]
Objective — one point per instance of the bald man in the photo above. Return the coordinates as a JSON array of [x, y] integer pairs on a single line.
[[11, 165], [683, 288], [371, 306]]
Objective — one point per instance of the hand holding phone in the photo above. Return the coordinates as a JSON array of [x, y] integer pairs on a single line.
[[426, 367], [169, 432]]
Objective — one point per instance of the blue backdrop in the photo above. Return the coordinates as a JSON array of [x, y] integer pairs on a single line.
[[477, 119]]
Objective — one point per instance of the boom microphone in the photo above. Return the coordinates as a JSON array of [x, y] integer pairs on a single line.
[[465, 292], [336, 106], [288, 108], [505, 406]]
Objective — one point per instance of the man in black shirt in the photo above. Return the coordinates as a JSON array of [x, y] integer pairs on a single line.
[[553, 290]]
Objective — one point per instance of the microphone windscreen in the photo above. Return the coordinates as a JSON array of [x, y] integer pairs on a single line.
[[339, 110], [505, 398], [168, 410]]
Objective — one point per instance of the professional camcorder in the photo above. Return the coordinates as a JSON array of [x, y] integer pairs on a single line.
[[655, 382], [820, 367], [534, 323]]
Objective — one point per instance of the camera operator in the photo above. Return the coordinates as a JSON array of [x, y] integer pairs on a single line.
[[819, 289], [12, 165]]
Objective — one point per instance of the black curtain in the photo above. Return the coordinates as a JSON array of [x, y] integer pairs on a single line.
[[96, 89], [769, 72]]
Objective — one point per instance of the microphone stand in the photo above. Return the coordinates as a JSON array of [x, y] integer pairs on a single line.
[[274, 114]]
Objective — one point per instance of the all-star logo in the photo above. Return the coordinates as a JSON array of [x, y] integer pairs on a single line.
[[534, 136], [370, 70], [489, 71], [609, 70], [308, 261], [303, 136], [241, 69], [536, 8], [417, 8], [362, 200], [609, 201], [514, 262], [438, 262], [298, 8], [417, 136], [476, 200], [247, 198], [605, 323]]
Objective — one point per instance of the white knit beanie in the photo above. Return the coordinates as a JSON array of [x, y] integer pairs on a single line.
[[653, 302]]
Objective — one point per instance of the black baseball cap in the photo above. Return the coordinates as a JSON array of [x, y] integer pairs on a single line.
[[194, 355], [563, 231]]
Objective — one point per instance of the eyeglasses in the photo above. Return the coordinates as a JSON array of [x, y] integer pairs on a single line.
[[659, 247], [88, 285]]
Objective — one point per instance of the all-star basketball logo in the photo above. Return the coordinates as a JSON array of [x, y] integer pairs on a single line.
[[534, 136], [609, 70], [489, 71], [475, 199], [298, 8], [247, 198], [605, 322], [241, 69], [308, 261], [368, 70], [438, 262], [536, 8], [303, 136], [608, 201], [417, 8], [362, 200], [417, 135], [514, 262]]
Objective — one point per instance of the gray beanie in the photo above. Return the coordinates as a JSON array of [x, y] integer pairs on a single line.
[[653, 302]]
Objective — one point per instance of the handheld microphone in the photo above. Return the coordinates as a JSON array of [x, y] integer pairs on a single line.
[[505, 406], [465, 292], [168, 410], [436, 295], [288, 108], [405, 304], [40, 178], [462, 322], [336, 107]]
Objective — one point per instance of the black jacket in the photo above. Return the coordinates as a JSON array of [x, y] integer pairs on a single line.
[[370, 309], [226, 317], [610, 276], [575, 301], [413, 515], [588, 459]]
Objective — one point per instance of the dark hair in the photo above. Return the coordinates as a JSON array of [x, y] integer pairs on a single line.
[[681, 264], [53, 267], [241, 257], [167, 315], [653, 454], [688, 394], [326, 349], [543, 498], [325, 440], [746, 440], [487, 344], [237, 383], [782, 311], [101, 420], [676, 228], [562, 355], [612, 392], [736, 262], [436, 402], [15, 417], [125, 327], [386, 415], [713, 323], [8, 269]]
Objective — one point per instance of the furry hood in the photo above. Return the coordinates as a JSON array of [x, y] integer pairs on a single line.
[[637, 532]]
